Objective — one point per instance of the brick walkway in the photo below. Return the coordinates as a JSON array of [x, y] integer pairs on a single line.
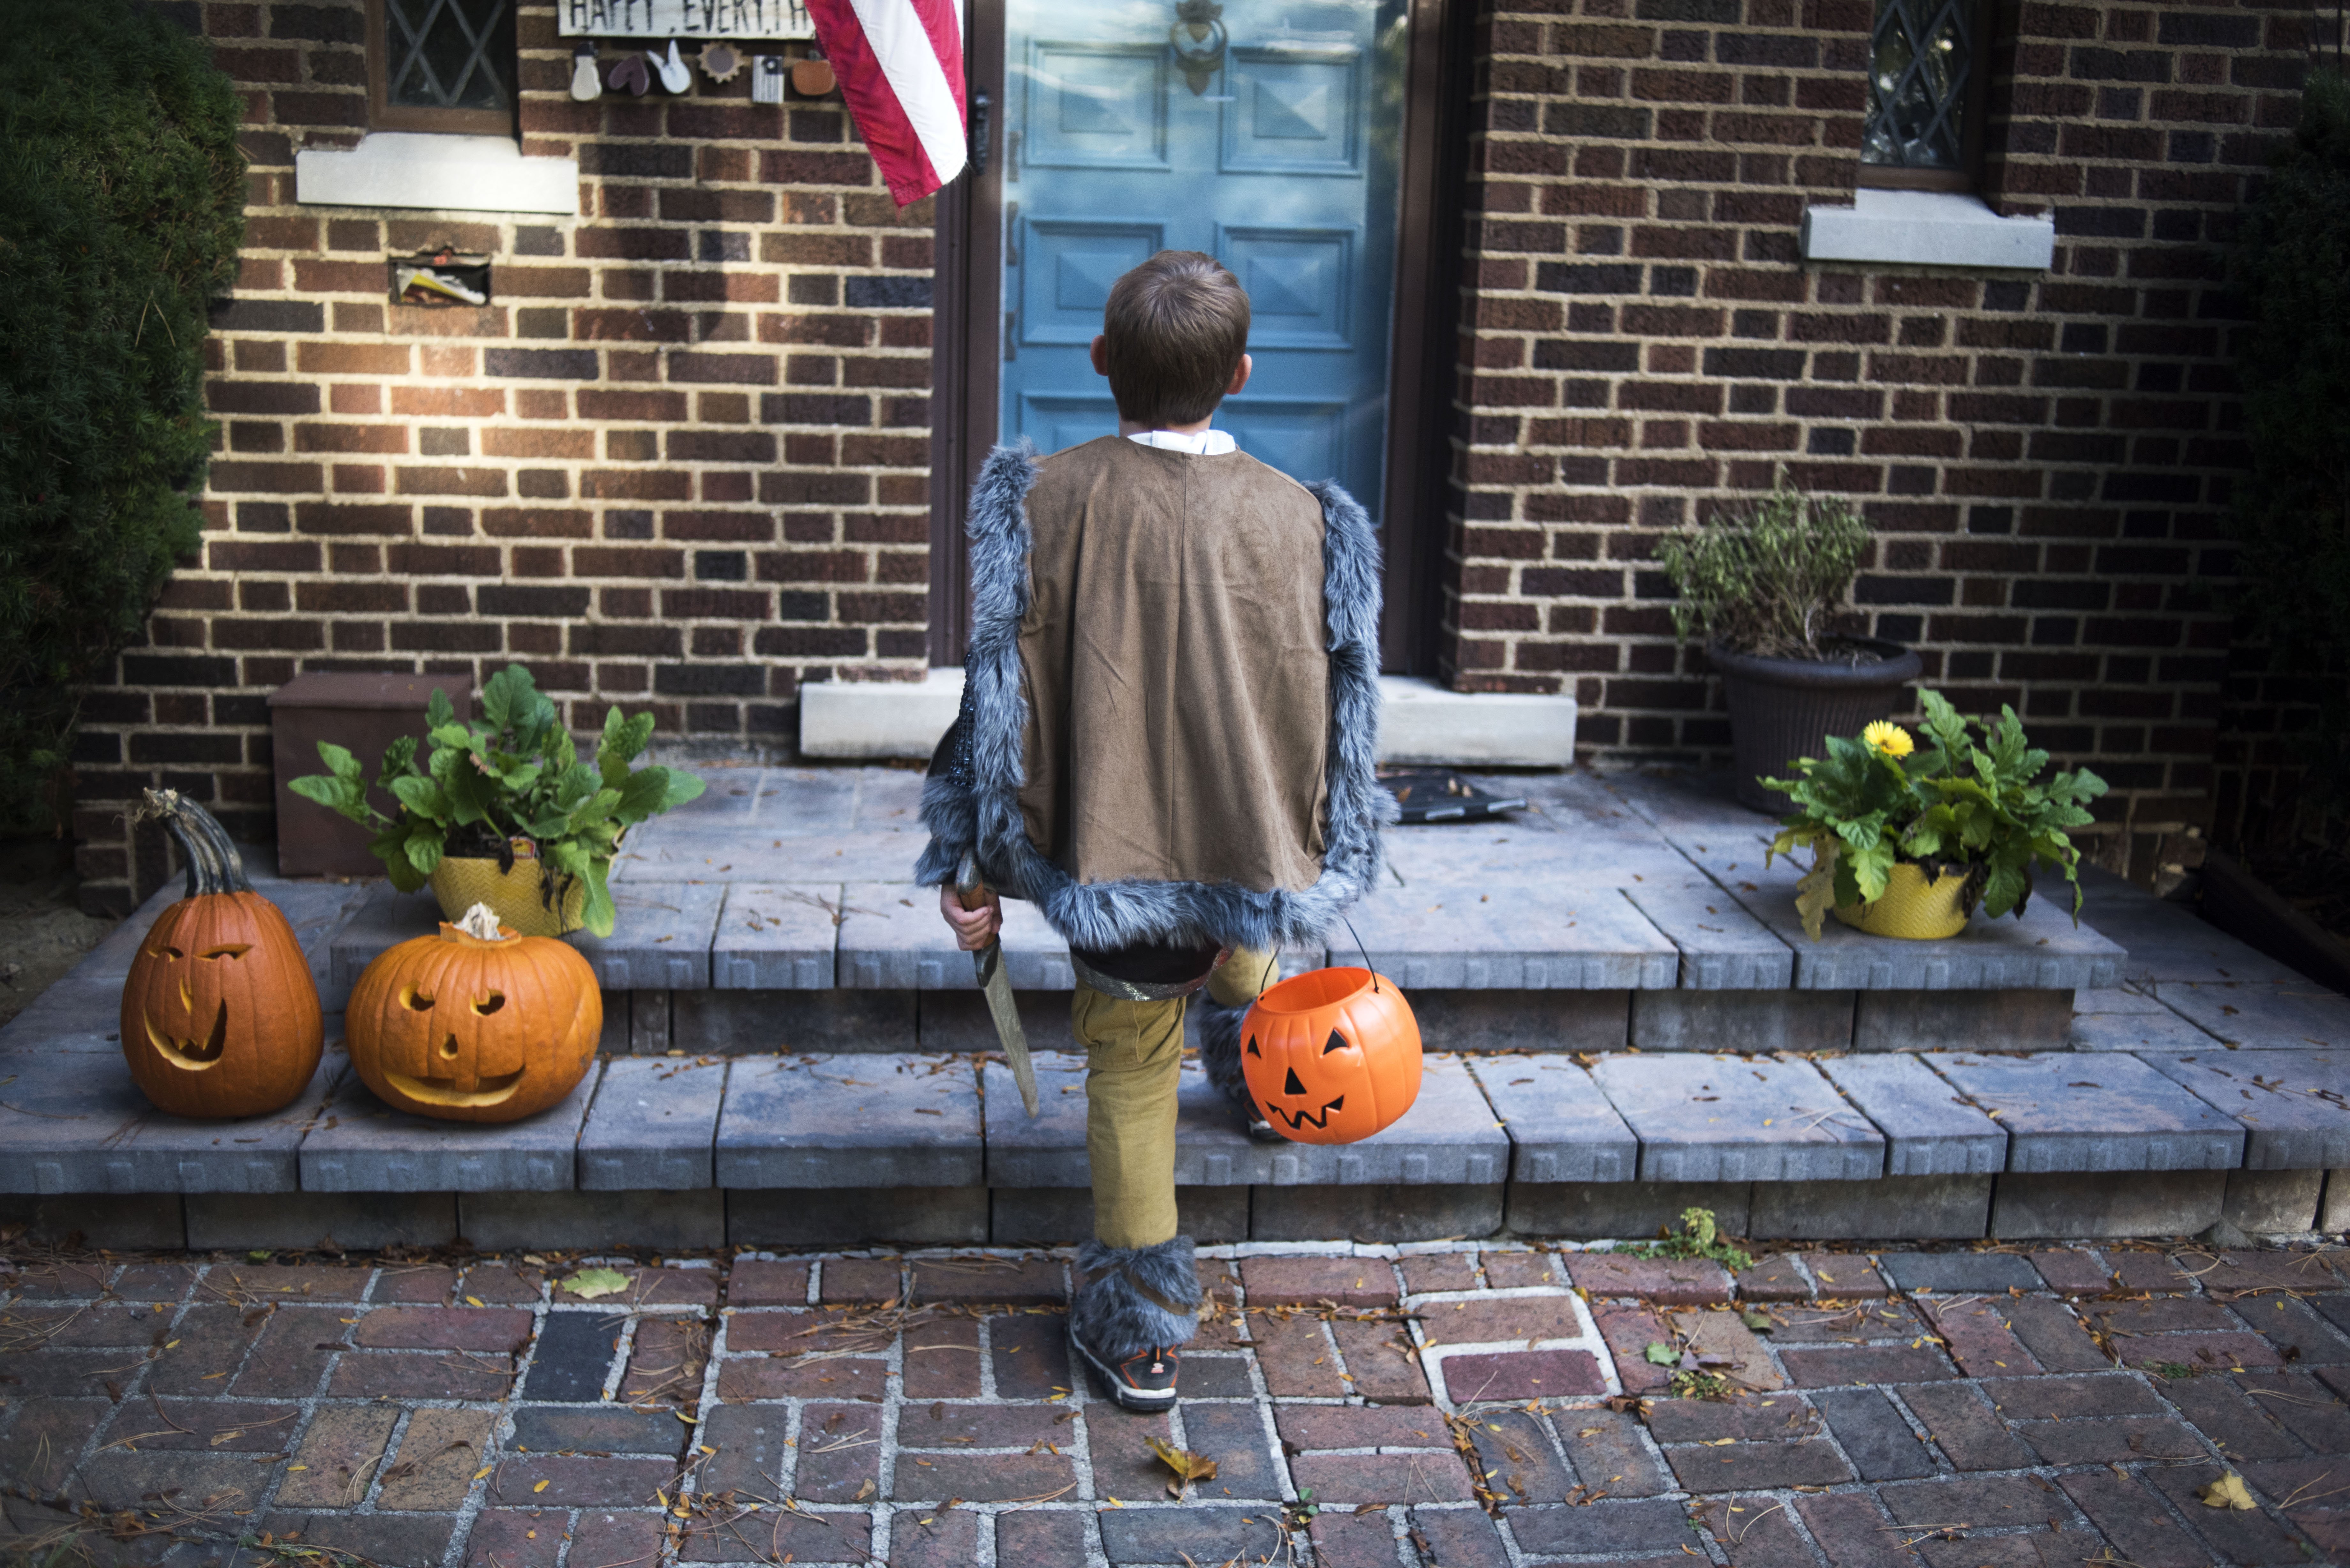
[[2018, 1409]]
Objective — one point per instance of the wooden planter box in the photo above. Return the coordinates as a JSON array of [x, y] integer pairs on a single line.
[[362, 714]]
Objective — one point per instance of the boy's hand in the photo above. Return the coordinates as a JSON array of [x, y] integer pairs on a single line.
[[973, 928]]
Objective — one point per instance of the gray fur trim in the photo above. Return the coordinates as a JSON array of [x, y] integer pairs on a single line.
[[1219, 1054], [1118, 1320], [1106, 916]]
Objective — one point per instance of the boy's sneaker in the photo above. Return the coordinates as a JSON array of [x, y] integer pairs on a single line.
[[1143, 1381]]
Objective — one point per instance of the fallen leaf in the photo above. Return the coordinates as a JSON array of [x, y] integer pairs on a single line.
[[1659, 1354], [1187, 1465], [2228, 1491], [588, 1284]]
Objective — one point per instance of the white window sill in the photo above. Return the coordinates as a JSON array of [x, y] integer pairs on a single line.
[[1926, 228], [436, 173]]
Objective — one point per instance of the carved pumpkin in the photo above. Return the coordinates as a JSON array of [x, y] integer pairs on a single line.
[[475, 1024], [1331, 1056], [220, 1015]]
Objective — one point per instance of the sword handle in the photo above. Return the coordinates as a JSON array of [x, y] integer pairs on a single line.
[[969, 891]]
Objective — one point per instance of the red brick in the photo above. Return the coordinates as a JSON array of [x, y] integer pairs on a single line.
[[849, 1378], [1845, 1276], [1014, 1282], [494, 1330], [757, 1282], [1680, 1281], [578, 1480], [942, 1360], [1349, 1479], [1310, 1281]]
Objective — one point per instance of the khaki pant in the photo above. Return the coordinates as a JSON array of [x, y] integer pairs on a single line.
[[1134, 1054]]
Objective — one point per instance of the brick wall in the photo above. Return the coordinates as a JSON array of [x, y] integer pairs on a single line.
[[2044, 457], [682, 462], [679, 461]]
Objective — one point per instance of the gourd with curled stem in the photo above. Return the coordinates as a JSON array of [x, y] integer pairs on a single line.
[[220, 1015]]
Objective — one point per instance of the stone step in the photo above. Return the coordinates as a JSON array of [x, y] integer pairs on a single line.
[[807, 1123], [1608, 913], [800, 1057]]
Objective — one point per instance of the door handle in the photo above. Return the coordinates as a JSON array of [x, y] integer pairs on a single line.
[[979, 107], [1011, 335]]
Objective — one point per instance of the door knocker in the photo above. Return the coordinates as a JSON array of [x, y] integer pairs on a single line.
[[1204, 21]]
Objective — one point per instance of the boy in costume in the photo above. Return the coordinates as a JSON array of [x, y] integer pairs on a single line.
[[1169, 720]]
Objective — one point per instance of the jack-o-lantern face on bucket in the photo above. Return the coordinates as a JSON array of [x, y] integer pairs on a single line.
[[219, 1016], [475, 1028], [1331, 1056]]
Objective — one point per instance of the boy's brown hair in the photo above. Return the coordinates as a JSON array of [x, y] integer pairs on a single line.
[[1176, 328]]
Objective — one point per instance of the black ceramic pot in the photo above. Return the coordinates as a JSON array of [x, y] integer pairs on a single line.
[[1782, 709]]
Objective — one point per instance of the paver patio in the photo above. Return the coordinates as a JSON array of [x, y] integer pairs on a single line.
[[1453, 1404]]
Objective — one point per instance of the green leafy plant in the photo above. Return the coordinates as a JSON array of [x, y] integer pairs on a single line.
[[1956, 807], [121, 208], [513, 773], [1770, 577], [1699, 1236], [2289, 271]]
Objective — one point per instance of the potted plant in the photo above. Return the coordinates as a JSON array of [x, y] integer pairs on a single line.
[[1909, 843], [503, 812], [1764, 584]]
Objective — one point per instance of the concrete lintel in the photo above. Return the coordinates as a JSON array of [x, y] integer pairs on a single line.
[[1420, 722]]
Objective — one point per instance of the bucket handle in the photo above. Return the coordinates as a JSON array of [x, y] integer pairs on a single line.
[[1265, 982]]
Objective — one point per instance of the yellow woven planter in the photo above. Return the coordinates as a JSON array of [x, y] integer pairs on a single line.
[[1912, 908], [461, 882]]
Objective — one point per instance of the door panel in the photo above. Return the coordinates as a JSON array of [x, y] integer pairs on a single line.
[[1096, 107], [1069, 266], [1263, 145], [1296, 112]]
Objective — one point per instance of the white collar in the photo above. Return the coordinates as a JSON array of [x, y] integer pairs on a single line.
[[1201, 443]]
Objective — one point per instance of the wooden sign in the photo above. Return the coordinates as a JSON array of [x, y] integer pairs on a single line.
[[746, 20]]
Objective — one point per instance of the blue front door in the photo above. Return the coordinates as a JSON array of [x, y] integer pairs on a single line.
[[1270, 143]]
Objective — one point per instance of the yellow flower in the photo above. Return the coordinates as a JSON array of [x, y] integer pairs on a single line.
[[1888, 739]]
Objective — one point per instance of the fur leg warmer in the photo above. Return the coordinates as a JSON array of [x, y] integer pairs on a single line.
[[1219, 1054], [1135, 1298]]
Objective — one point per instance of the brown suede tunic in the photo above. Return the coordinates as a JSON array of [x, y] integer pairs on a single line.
[[1174, 666]]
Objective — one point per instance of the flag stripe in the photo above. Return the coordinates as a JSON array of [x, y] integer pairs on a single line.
[[899, 64], [916, 59]]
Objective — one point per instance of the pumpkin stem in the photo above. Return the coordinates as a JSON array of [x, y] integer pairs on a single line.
[[213, 863], [480, 923]]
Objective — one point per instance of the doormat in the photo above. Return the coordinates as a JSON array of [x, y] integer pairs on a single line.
[[1441, 794]]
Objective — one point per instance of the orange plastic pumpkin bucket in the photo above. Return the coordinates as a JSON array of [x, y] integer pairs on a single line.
[[1331, 1056]]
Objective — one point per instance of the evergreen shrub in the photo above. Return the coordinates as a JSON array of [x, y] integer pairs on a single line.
[[122, 209], [2289, 273]]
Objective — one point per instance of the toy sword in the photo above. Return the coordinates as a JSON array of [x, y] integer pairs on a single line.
[[970, 892]]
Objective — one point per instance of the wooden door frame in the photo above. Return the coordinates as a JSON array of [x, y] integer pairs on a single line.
[[968, 329]]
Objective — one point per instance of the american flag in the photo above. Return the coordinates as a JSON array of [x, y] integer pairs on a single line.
[[899, 63]]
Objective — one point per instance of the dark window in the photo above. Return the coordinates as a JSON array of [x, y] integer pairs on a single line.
[[1928, 60], [441, 65]]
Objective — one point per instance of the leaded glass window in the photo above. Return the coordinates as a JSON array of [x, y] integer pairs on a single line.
[[442, 65], [1924, 103]]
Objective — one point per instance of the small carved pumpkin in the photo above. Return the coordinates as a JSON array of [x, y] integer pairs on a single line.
[[220, 1015], [1331, 1056], [475, 1024]]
